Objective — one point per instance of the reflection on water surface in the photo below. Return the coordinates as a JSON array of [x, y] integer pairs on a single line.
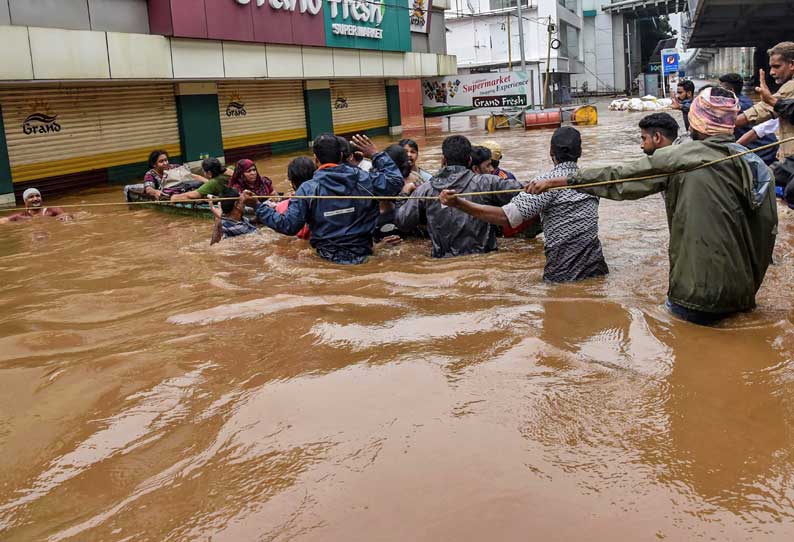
[[154, 388]]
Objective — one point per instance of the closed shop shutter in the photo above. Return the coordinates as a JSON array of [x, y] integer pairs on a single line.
[[57, 131], [260, 113], [358, 105]]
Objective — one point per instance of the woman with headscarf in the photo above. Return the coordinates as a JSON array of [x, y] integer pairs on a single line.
[[246, 177]]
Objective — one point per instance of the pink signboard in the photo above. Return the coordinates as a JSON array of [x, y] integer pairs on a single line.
[[298, 22]]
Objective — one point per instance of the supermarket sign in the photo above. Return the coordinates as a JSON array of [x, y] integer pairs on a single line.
[[472, 94], [359, 24]]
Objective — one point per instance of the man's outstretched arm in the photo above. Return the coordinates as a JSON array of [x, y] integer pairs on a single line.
[[486, 213]]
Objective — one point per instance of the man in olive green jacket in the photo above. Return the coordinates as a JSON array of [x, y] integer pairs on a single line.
[[722, 219]]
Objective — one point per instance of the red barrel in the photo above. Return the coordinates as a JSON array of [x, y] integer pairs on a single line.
[[543, 119]]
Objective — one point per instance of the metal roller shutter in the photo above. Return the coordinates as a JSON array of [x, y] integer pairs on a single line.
[[57, 131], [358, 105], [260, 112]]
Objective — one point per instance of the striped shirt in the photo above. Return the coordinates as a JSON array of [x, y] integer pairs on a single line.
[[233, 228], [570, 227]]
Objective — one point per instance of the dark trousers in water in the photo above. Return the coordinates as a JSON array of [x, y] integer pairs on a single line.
[[696, 317], [784, 178]]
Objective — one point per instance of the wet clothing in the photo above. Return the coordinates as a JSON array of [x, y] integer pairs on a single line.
[[570, 227], [696, 317], [784, 179], [769, 156], [685, 106], [281, 208], [261, 186], [214, 186], [233, 228], [419, 176], [341, 229], [453, 232], [722, 219], [785, 109], [154, 180], [504, 174], [762, 112]]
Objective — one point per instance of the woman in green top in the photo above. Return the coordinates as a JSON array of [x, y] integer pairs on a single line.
[[217, 181]]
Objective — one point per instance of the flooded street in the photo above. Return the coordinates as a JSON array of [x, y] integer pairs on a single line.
[[155, 388]]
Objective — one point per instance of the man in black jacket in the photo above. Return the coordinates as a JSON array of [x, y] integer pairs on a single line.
[[454, 233]]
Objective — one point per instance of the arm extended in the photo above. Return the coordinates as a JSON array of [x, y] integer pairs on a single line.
[[291, 222], [486, 213], [386, 178]]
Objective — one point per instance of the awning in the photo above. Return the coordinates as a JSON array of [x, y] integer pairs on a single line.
[[647, 8], [738, 23]]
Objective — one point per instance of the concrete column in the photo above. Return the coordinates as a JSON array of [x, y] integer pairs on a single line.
[[747, 67], [393, 107], [6, 186], [199, 121], [317, 103]]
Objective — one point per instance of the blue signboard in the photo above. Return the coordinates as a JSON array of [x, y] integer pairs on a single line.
[[670, 61]]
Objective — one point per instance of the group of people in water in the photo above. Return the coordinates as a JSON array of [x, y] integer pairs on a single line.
[[722, 218]]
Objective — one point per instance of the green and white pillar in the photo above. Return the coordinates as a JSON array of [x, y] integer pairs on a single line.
[[199, 121], [393, 107], [6, 185], [317, 102]]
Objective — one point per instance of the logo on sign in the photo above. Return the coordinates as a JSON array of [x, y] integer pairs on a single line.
[[41, 121], [340, 103], [515, 100], [236, 107], [358, 11], [311, 6]]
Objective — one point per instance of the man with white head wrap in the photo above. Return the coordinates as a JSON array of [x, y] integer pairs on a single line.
[[34, 209]]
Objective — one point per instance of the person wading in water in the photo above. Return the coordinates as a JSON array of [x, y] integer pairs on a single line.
[[722, 218], [570, 218]]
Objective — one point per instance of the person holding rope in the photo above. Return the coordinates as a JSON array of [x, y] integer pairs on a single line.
[[451, 232], [722, 218], [570, 218], [229, 219], [341, 229]]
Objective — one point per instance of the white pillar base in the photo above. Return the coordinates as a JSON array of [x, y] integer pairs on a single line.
[[7, 200], [395, 130]]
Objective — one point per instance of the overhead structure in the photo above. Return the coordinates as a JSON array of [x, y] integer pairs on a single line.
[[739, 23], [647, 8]]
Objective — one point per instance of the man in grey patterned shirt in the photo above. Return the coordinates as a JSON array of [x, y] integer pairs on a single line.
[[570, 218]]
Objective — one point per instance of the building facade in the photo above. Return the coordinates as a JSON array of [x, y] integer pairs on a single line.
[[89, 87], [588, 51]]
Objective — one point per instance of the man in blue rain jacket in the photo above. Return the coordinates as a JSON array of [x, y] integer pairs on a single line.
[[341, 229]]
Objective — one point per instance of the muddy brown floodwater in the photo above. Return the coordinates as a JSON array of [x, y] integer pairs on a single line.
[[155, 388]]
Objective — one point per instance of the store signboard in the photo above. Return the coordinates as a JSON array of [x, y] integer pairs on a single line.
[[360, 24], [477, 93]]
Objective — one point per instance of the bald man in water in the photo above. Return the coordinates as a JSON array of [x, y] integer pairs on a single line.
[[33, 209]]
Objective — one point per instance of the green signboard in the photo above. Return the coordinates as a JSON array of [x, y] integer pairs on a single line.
[[368, 24]]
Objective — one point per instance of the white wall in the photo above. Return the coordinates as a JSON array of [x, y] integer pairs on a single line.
[[51, 54], [603, 54], [479, 41]]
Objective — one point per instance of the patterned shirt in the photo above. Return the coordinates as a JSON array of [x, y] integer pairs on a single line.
[[233, 228], [570, 227], [153, 180]]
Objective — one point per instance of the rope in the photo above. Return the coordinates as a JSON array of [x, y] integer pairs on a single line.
[[465, 194]]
